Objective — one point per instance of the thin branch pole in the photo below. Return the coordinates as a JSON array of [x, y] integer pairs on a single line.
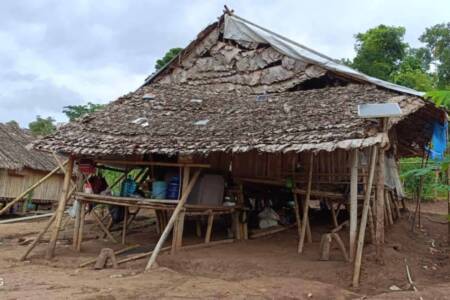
[[363, 224], [172, 219], [305, 218]]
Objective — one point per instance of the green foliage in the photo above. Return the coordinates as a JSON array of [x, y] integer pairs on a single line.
[[75, 111], [167, 57], [437, 40], [440, 98], [42, 126], [380, 50], [412, 71], [411, 171]]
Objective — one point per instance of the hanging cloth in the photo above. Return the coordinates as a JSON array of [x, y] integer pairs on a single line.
[[438, 141]]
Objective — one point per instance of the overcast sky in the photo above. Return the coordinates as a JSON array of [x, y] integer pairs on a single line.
[[58, 53]]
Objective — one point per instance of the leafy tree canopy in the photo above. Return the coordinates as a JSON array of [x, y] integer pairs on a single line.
[[167, 57], [75, 111], [412, 70], [437, 40], [42, 126], [380, 50]]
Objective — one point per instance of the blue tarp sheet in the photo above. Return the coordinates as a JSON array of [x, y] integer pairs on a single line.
[[438, 141]]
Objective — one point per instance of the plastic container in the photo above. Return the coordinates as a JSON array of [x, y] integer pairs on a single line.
[[128, 187], [159, 189], [173, 188]]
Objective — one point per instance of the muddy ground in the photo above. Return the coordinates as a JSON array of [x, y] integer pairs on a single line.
[[264, 268]]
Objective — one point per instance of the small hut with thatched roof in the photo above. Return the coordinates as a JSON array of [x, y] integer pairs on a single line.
[[261, 111], [21, 167]]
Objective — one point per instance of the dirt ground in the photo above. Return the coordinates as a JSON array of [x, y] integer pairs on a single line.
[[264, 268]]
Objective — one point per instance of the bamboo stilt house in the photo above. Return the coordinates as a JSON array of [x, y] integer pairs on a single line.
[[243, 101], [21, 167]]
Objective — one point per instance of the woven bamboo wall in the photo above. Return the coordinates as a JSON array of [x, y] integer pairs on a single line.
[[13, 183], [328, 167]]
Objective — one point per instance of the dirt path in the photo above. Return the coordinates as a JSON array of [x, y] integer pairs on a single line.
[[266, 268]]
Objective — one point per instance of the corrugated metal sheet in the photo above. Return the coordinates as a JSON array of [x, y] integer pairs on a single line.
[[237, 28]]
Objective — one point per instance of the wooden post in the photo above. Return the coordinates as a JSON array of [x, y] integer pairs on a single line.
[[180, 229], [76, 228], [363, 224], [82, 219], [172, 219], [387, 199], [124, 227], [209, 227], [305, 219], [31, 188], [296, 202], [379, 208], [353, 201], [60, 210], [177, 234]]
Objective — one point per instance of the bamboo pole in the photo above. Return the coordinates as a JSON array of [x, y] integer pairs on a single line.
[[38, 238], [30, 189], [102, 226], [125, 223], [93, 260], [353, 201], [363, 224], [172, 220], [60, 210], [306, 204]]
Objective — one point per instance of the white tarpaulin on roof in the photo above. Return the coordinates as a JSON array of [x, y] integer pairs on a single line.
[[237, 28]]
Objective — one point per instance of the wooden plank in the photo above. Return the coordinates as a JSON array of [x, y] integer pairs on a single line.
[[363, 223], [172, 220], [151, 163], [60, 210]]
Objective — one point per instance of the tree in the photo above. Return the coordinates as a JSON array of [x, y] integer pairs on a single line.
[[42, 126], [413, 70], [437, 40], [167, 57], [13, 123], [75, 111], [379, 51]]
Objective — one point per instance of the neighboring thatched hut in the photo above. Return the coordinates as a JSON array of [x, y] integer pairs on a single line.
[[21, 167], [260, 109]]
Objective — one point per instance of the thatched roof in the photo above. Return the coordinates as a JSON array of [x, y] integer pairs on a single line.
[[181, 119], [205, 101], [14, 153]]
